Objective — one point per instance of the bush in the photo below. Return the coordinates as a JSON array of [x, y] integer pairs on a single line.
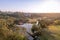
[[8, 30]]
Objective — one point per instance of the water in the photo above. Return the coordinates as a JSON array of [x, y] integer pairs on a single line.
[[28, 27]]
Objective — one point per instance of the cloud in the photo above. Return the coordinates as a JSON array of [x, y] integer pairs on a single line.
[[46, 7]]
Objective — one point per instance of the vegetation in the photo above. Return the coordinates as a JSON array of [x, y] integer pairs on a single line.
[[44, 32], [9, 31], [46, 29]]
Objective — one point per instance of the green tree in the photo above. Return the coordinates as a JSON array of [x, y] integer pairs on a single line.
[[38, 30]]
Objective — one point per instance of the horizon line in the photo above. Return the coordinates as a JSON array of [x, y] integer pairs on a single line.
[[27, 12]]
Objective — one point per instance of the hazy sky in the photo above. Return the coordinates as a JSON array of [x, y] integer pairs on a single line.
[[38, 6]]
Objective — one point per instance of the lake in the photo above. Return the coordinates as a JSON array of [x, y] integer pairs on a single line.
[[28, 27]]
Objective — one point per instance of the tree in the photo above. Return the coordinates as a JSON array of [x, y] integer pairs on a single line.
[[37, 30]]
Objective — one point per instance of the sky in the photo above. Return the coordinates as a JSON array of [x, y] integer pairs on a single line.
[[33, 6]]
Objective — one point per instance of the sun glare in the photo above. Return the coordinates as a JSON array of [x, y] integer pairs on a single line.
[[47, 7]]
